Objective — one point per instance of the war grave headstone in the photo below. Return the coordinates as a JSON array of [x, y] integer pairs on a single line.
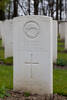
[[8, 38], [33, 56], [66, 35], [55, 35], [3, 33], [62, 30]]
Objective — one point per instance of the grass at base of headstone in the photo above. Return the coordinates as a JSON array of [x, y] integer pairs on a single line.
[[60, 62], [60, 49], [0, 43], [61, 44], [26, 94], [4, 92], [8, 61], [60, 81], [62, 55], [1, 53], [6, 76], [62, 59]]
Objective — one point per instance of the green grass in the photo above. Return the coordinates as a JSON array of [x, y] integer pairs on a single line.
[[60, 81], [8, 61], [26, 94], [60, 43], [1, 53], [62, 55], [60, 46], [60, 49], [0, 43], [6, 76]]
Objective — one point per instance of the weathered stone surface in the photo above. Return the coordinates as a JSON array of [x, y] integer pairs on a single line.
[[55, 34], [66, 35], [33, 56], [8, 38], [62, 30], [3, 33]]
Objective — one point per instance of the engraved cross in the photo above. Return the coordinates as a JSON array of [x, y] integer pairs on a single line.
[[31, 62]]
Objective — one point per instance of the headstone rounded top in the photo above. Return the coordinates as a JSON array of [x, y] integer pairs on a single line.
[[36, 17], [31, 29]]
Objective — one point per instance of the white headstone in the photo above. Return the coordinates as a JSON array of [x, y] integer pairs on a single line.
[[55, 34], [3, 33], [8, 39], [66, 35], [62, 30], [33, 69]]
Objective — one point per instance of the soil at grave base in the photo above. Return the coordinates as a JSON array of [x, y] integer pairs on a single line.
[[60, 67], [20, 96]]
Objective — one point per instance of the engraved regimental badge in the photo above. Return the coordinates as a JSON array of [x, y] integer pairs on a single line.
[[31, 29]]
